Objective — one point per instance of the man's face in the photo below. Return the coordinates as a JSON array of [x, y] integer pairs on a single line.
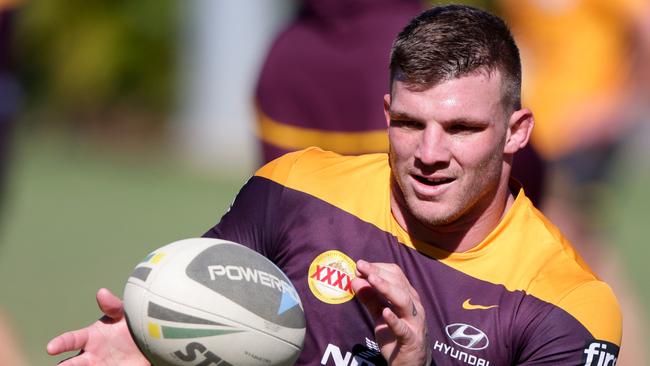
[[446, 148]]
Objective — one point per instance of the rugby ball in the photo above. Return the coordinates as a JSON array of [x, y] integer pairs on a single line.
[[207, 301]]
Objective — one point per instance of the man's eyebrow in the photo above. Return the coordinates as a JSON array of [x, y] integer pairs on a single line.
[[404, 116], [399, 115]]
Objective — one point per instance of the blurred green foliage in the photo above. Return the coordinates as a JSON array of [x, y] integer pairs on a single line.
[[77, 59]]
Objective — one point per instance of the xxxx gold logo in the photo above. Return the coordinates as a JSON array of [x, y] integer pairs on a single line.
[[330, 277], [467, 305]]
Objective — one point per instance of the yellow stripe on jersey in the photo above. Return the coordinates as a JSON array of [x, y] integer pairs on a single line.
[[339, 180], [524, 252], [294, 138]]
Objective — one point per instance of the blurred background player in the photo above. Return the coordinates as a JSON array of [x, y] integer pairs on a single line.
[[586, 66], [319, 85]]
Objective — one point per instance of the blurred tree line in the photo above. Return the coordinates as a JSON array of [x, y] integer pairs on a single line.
[[90, 63]]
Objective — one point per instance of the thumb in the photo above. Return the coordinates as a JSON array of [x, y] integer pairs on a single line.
[[110, 304]]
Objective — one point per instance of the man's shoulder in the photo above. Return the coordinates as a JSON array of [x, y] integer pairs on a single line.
[[549, 255], [312, 164], [359, 185], [560, 276]]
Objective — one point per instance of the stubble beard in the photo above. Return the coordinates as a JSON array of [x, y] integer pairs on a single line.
[[477, 194]]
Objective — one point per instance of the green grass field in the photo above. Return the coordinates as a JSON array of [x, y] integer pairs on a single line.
[[77, 218]]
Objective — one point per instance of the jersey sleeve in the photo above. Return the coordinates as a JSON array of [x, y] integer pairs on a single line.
[[255, 218], [595, 306], [584, 328]]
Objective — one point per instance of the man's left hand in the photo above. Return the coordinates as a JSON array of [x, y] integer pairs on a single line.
[[400, 324]]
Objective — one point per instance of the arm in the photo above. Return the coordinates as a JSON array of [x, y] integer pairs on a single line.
[[251, 220], [400, 323], [106, 342]]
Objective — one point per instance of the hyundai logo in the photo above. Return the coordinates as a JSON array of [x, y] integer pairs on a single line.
[[467, 336]]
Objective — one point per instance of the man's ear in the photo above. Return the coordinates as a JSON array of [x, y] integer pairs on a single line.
[[387, 109], [520, 126]]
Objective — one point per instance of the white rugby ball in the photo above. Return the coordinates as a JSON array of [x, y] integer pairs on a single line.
[[207, 301]]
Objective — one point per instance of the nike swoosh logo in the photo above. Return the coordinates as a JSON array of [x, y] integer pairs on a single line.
[[468, 306]]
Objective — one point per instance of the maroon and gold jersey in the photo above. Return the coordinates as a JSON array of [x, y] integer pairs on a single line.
[[522, 296]]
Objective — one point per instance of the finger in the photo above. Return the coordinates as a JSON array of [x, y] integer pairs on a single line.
[[398, 326], [397, 295], [389, 272], [359, 284], [369, 297], [68, 341], [389, 280], [415, 340], [386, 270], [110, 304]]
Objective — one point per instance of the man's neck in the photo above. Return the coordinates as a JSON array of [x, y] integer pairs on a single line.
[[460, 235]]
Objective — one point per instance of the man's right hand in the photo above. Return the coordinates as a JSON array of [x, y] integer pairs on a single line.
[[107, 342]]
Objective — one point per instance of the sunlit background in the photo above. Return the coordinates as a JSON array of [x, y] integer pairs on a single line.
[[131, 124]]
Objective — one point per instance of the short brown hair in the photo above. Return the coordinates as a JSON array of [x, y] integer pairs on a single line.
[[451, 41]]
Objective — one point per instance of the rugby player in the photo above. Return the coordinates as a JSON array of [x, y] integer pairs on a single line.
[[429, 254]]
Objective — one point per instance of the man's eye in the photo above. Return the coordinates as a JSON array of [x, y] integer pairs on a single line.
[[404, 124], [462, 128]]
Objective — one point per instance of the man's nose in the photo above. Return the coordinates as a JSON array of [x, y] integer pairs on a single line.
[[433, 146]]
